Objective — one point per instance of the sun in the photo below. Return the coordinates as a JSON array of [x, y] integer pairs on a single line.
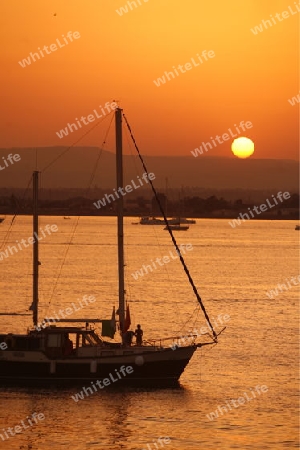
[[242, 147]]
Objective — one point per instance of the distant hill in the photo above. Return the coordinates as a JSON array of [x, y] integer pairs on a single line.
[[74, 169]]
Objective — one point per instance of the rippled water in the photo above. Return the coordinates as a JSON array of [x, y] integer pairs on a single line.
[[233, 269]]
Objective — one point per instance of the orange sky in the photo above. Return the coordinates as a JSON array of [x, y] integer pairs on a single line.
[[250, 78]]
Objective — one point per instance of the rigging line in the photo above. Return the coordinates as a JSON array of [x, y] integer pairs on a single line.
[[153, 227], [14, 314], [196, 318], [13, 220], [78, 218], [171, 234], [76, 142], [126, 258], [63, 262], [5, 240], [99, 156], [127, 279], [137, 171], [129, 142], [189, 318]]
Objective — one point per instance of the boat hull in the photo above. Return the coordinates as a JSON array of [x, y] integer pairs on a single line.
[[157, 368]]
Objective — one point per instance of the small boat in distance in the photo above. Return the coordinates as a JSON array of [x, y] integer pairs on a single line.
[[67, 217], [177, 227], [181, 220], [2, 219], [151, 221], [174, 221], [297, 227]]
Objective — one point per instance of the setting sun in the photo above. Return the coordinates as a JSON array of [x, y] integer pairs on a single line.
[[242, 147]]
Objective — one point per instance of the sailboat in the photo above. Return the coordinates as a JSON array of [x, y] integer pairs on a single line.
[[178, 227], [175, 224], [182, 220], [71, 351], [151, 221]]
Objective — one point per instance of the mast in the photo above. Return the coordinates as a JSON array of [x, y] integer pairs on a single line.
[[120, 211], [35, 292], [166, 203]]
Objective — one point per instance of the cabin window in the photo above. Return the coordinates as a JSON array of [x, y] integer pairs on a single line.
[[54, 340], [34, 344], [21, 343], [27, 343]]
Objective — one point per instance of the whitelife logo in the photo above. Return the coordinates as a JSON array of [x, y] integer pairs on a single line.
[[279, 17], [292, 101], [132, 5], [161, 261], [273, 293], [123, 371], [11, 158], [53, 47], [30, 241], [236, 403], [66, 312], [187, 66], [17, 429], [225, 136], [128, 188], [3, 346], [203, 330], [263, 208], [161, 441], [110, 106]]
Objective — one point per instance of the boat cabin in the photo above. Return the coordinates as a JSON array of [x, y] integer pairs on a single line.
[[55, 342]]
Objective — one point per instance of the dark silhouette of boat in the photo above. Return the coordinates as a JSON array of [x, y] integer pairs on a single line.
[[51, 353], [177, 227]]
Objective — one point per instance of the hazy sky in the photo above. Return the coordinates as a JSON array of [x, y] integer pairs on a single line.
[[251, 76]]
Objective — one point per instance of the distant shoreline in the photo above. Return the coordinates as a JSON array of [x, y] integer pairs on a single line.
[[291, 217]]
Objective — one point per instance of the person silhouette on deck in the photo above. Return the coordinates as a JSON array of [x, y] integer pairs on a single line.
[[127, 337], [139, 335]]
